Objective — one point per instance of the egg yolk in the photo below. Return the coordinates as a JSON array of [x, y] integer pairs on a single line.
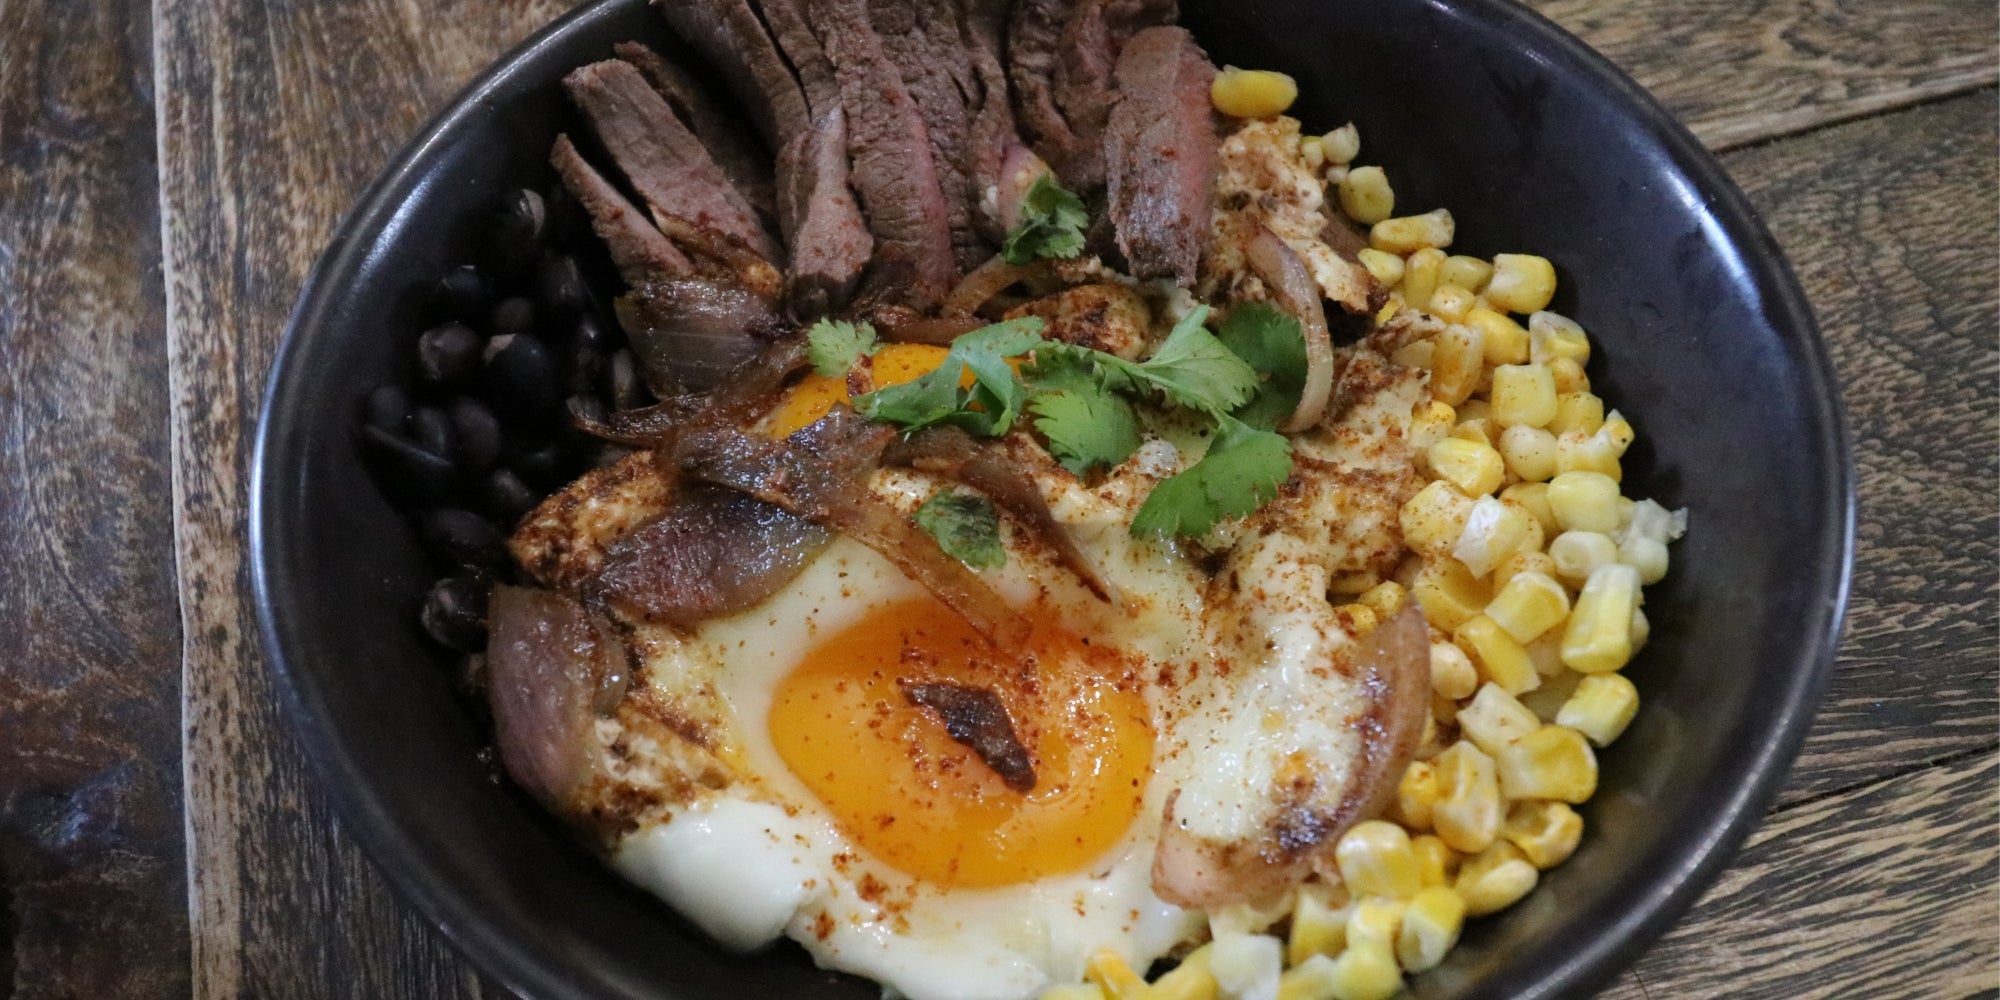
[[901, 787]]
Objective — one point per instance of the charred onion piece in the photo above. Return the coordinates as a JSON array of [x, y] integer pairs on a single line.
[[713, 552], [1293, 289], [690, 333], [975, 717], [820, 473], [940, 331], [985, 281], [982, 465], [552, 669]]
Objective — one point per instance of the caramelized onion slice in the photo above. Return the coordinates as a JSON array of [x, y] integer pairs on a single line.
[[985, 281], [552, 669], [1293, 289], [714, 552]]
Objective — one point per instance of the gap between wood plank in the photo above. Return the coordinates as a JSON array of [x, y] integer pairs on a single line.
[[1947, 760], [1723, 136]]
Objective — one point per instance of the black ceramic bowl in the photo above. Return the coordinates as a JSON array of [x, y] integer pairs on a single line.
[[1534, 142]]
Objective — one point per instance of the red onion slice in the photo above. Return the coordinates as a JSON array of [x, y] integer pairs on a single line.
[[1293, 289]]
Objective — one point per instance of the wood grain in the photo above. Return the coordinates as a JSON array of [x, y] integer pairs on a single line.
[[1890, 225], [1743, 71], [91, 861], [273, 116]]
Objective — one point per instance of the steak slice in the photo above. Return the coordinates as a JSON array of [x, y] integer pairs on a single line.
[[991, 135], [1160, 149], [747, 166], [731, 37], [640, 252], [822, 223], [665, 163], [1063, 55], [923, 39]]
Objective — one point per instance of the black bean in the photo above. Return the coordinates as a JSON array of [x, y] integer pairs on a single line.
[[587, 409], [472, 675], [432, 431], [460, 536], [454, 612], [522, 380], [464, 293], [407, 473], [586, 371], [519, 228], [593, 334], [512, 317], [559, 284], [476, 431], [388, 408], [506, 497], [448, 354], [540, 465], [626, 387]]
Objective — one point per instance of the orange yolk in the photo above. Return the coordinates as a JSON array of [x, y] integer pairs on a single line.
[[898, 784]]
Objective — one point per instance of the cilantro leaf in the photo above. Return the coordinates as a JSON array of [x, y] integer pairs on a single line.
[[1087, 426], [1191, 367], [966, 527], [1052, 224], [1241, 472], [1272, 342], [989, 407], [833, 346]]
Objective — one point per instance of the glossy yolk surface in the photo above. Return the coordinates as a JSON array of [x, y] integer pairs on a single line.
[[917, 799], [815, 394]]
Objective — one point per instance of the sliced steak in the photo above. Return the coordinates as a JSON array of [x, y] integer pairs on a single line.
[[1160, 151], [665, 163], [822, 223], [991, 137], [731, 37], [721, 132], [640, 252], [1063, 55], [923, 39]]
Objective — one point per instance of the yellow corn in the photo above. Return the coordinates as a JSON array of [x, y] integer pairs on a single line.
[[1599, 636], [1469, 273], [1372, 920], [1416, 793], [1190, 980], [1530, 452], [1386, 267], [1311, 979], [1449, 594], [1252, 93], [1546, 832], [1457, 362], [1313, 151], [1494, 530], [1569, 375], [1430, 927], [1537, 537], [1534, 497], [1409, 233], [1467, 813], [1522, 283], [1642, 629], [1584, 501], [1416, 353], [1450, 302], [1528, 605], [1341, 145], [1600, 708], [1366, 197], [1495, 879], [1356, 619], [1521, 562], [1523, 395], [1074, 991], [1436, 861], [1579, 412], [1558, 681], [1375, 860], [1452, 673], [1577, 554], [1433, 518], [1431, 421], [1319, 923], [1506, 343], [1494, 719], [1475, 468], [1243, 963], [1618, 431], [1478, 430], [1553, 335], [1110, 972], [1588, 453], [1502, 662], [1251, 917], [1385, 598], [1553, 762], [1367, 972], [1474, 409], [1646, 555], [1420, 277]]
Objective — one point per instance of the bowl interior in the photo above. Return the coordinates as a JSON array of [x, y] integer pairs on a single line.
[[1533, 142]]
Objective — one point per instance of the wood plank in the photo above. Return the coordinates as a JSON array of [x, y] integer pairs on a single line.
[[1885, 891], [91, 860], [1889, 223], [273, 117], [1740, 72]]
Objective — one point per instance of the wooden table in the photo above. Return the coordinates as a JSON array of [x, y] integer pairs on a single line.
[[169, 170]]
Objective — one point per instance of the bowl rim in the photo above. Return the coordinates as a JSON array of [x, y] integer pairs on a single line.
[[1693, 862]]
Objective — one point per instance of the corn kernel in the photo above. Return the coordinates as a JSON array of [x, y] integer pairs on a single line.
[[1467, 813], [1546, 832], [1642, 629], [1469, 273], [1074, 991], [1311, 979], [1523, 395], [1409, 233], [1449, 594], [1251, 917], [1385, 598], [1506, 343], [1579, 412], [1647, 556], [1366, 196], [1494, 530], [1521, 562], [1386, 267], [1534, 497], [1588, 453], [1335, 174], [1416, 353], [1553, 335], [1434, 517], [1373, 920], [1584, 501], [1452, 673], [1501, 661], [1522, 283], [1367, 972], [1457, 362], [1342, 145], [1110, 972], [1553, 762], [1474, 409], [1618, 431], [1577, 554], [1190, 980], [1416, 793], [1475, 468], [1650, 520], [1478, 430], [1494, 719], [1420, 273], [1558, 682], [1536, 538], [1319, 923], [1431, 422], [1312, 152], [1450, 303], [1430, 928], [1437, 863], [1246, 964], [1495, 879], [1569, 375], [1528, 605], [1599, 636], [1252, 93], [1375, 860], [1601, 707]]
